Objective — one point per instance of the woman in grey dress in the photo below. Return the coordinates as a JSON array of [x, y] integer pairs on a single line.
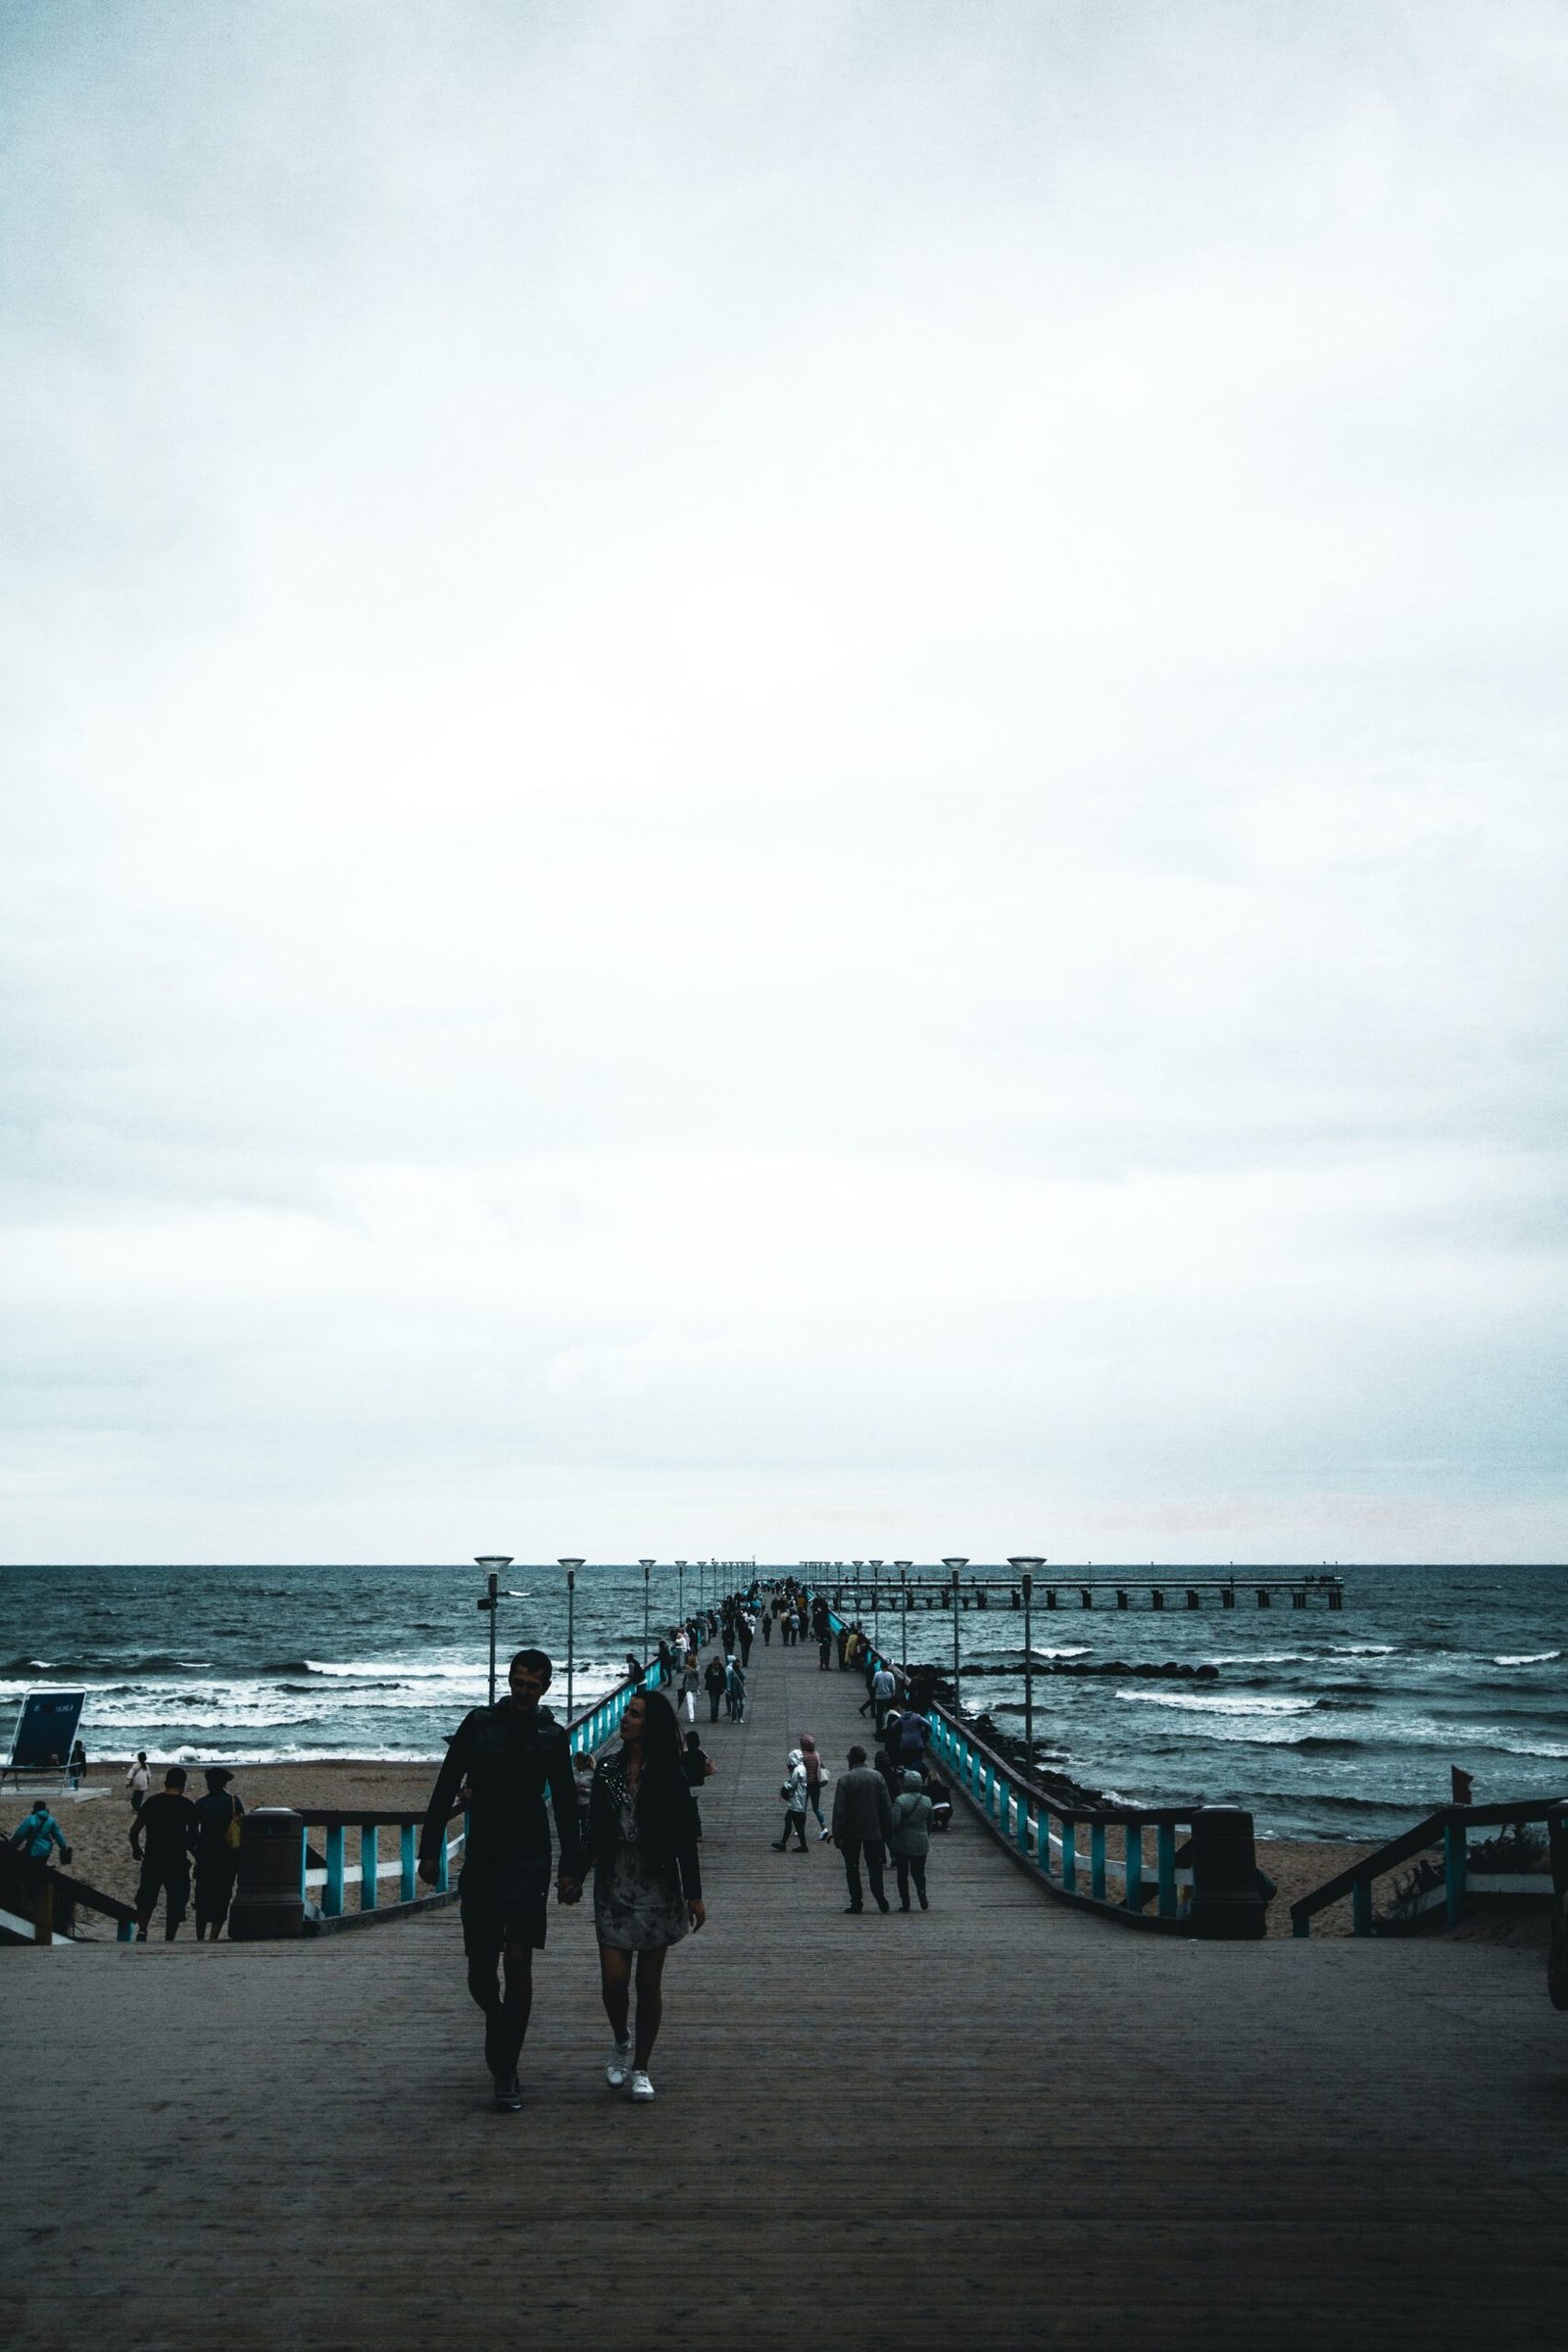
[[648, 1888]]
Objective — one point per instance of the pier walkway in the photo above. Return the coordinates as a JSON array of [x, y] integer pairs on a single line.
[[995, 2124]]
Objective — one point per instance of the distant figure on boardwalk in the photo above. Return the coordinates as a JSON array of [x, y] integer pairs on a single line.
[[38, 1834], [815, 1775], [139, 1779], [881, 1692], [767, 1629], [735, 1695], [162, 1835], [718, 1683], [648, 1888], [794, 1796], [689, 1685], [863, 1823], [746, 1633], [698, 1767], [911, 1838], [824, 1649], [218, 1819], [509, 1754]]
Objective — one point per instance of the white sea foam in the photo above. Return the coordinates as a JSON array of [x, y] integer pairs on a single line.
[[402, 1670], [1527, 1658], [1258, 1657], [1216, 1704], [1365, 1649]]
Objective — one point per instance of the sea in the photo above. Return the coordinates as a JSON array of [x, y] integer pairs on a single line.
[[1326, 1725]]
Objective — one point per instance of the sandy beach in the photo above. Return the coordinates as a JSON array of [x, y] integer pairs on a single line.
[[98, 1826]]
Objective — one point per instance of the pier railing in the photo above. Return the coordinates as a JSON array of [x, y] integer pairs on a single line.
[[40, 1905], [1447, 1831], [1118, 1861]]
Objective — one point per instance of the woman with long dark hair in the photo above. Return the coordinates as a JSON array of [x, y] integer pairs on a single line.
[[648, 1888]]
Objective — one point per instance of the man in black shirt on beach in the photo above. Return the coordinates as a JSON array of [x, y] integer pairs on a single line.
[[509, 1754], [165, 1827]]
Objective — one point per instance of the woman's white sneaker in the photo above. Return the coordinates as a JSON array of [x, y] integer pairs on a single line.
[[641, 2087], [617, 2066]]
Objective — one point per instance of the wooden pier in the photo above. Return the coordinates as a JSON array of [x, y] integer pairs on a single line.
[[999, 2124]]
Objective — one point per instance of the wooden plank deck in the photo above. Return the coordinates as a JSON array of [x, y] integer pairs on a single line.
[[998, 2123]]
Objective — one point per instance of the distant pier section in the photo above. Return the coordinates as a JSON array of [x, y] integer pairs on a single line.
[[861, 1591]]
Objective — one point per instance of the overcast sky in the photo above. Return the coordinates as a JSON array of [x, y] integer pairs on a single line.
[[783, 780]]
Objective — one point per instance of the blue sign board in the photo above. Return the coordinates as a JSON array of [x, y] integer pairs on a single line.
[[46, 1730]]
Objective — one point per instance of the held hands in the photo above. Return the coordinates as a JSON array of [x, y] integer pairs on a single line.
[[569, 1890]]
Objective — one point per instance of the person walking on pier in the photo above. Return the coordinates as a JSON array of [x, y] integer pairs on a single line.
[[735, 1693], [815, 1775], [911, 1838], [162, 1835], [139, 1779], [648, 1888], [716, 1682], [746, 1632], [767, 1629], [863, 1823], [689, 1686], [511, 1755], [794, 1796]]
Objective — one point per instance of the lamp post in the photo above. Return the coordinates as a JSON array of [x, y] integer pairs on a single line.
[[647, 1569], [680, 1590], [952, 1567], [1026, 1568], [571, 1567], [493, 1562], [904, 1567]]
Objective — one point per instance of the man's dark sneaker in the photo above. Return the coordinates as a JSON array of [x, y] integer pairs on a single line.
[[852, 1909], [882, 1903], [509, 2095], [495, 2042]]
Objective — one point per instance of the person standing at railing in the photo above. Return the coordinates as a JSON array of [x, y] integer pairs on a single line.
[[512, 1755], [648, 1888]]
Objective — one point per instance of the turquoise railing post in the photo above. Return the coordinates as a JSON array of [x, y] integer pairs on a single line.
[[1042, 1842], [1361, 1909], [367, 1857], [1133, 1885], [1021, 1825], [1455, 1866], [410, 1877], [1165, 1866], [332, 1892], [125, 1932], [1096, 1860], [1069, 1857]]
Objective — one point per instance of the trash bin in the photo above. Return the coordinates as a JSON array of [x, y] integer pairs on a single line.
[[269, 1893], [1227, 1906]]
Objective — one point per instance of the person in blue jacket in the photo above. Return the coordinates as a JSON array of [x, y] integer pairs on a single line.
[[38, 1834]]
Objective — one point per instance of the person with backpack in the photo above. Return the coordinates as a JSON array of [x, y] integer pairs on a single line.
[[38, 1834], [911, 1842], [218, 1819], [794, 1794]]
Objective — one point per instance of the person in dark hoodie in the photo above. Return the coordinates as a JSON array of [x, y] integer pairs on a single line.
[[511, 1755], [648, 1888]]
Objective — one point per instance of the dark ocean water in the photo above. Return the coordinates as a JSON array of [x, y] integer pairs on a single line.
[[1325, 1725]]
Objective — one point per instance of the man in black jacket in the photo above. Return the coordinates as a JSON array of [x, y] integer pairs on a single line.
[[509, 1755], [863, 1823]]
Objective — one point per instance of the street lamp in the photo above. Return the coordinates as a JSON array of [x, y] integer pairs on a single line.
[[680, 1590], [647, 1568], [1026, 1568], [904, 1567], [952, 1567], [494, 1562], [571, 1567]]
